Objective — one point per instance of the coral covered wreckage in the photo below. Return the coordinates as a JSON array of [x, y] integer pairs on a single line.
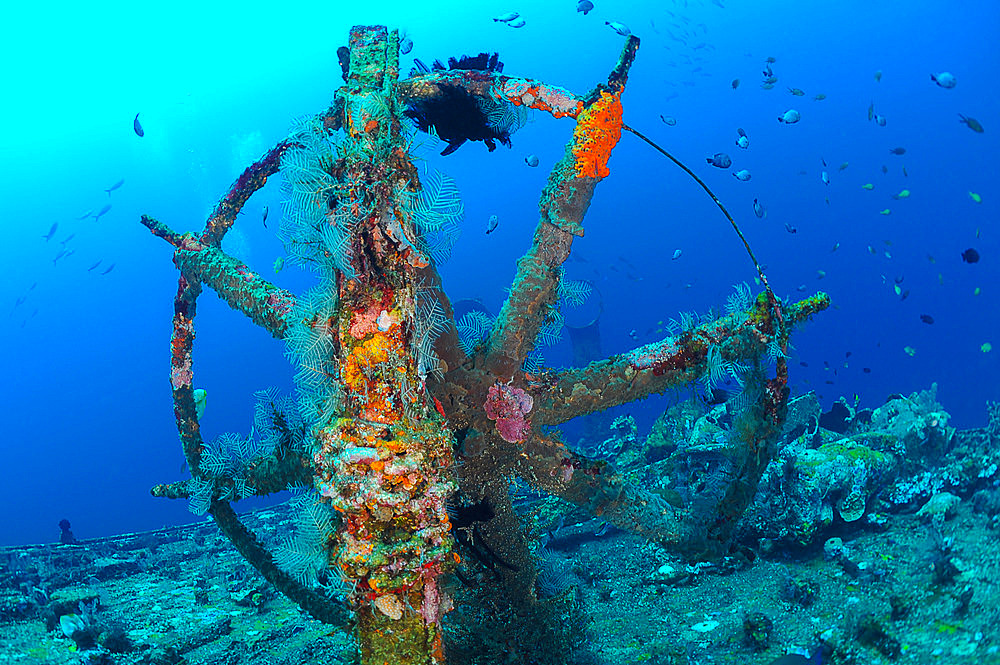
[[400, 429]]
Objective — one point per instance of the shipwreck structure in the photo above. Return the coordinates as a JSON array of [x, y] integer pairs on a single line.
[[398, 417]]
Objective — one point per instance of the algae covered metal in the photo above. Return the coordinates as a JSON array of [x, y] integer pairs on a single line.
[[389, 400]]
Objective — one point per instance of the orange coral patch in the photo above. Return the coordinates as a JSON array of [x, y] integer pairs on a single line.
[[598, 129], [365, 357]]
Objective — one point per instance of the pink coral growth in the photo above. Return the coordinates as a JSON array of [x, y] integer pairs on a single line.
[[365, 321], [508, 406], [280, 302], [181, 376]]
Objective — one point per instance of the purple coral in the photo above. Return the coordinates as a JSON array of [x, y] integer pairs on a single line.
[[508, 406]]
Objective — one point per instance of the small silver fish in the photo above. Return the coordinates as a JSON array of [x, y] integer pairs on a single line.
[[584, 6], [52, 232], [108, 269], [531, 160], [759, 209], [87, 214], [517, 23], [137, 127], [115, 186], [790, 228], [95, 265], [620, 28], [676, 255], [506, 18], [743, 141], [668, 120], [264, 217], [405, 45], [880, 120], [492, 224], [720, 160], [825, 177], [742, 175], [945, 80], [790, 117]]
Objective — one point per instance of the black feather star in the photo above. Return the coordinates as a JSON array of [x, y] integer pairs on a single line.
[[457, 116]]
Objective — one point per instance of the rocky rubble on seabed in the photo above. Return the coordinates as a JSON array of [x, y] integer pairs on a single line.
[[873, 537], [181, 595]]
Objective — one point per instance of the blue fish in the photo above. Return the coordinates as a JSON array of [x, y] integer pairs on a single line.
[[759, 209], [720, 160], [944, 79], [63, 253], [115, 186], [52, 232], [743, 141], [137, 127], [103, 211], [790, 117], [619, 27]]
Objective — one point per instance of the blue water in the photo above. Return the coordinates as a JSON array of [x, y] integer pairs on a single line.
[[89, 425]]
